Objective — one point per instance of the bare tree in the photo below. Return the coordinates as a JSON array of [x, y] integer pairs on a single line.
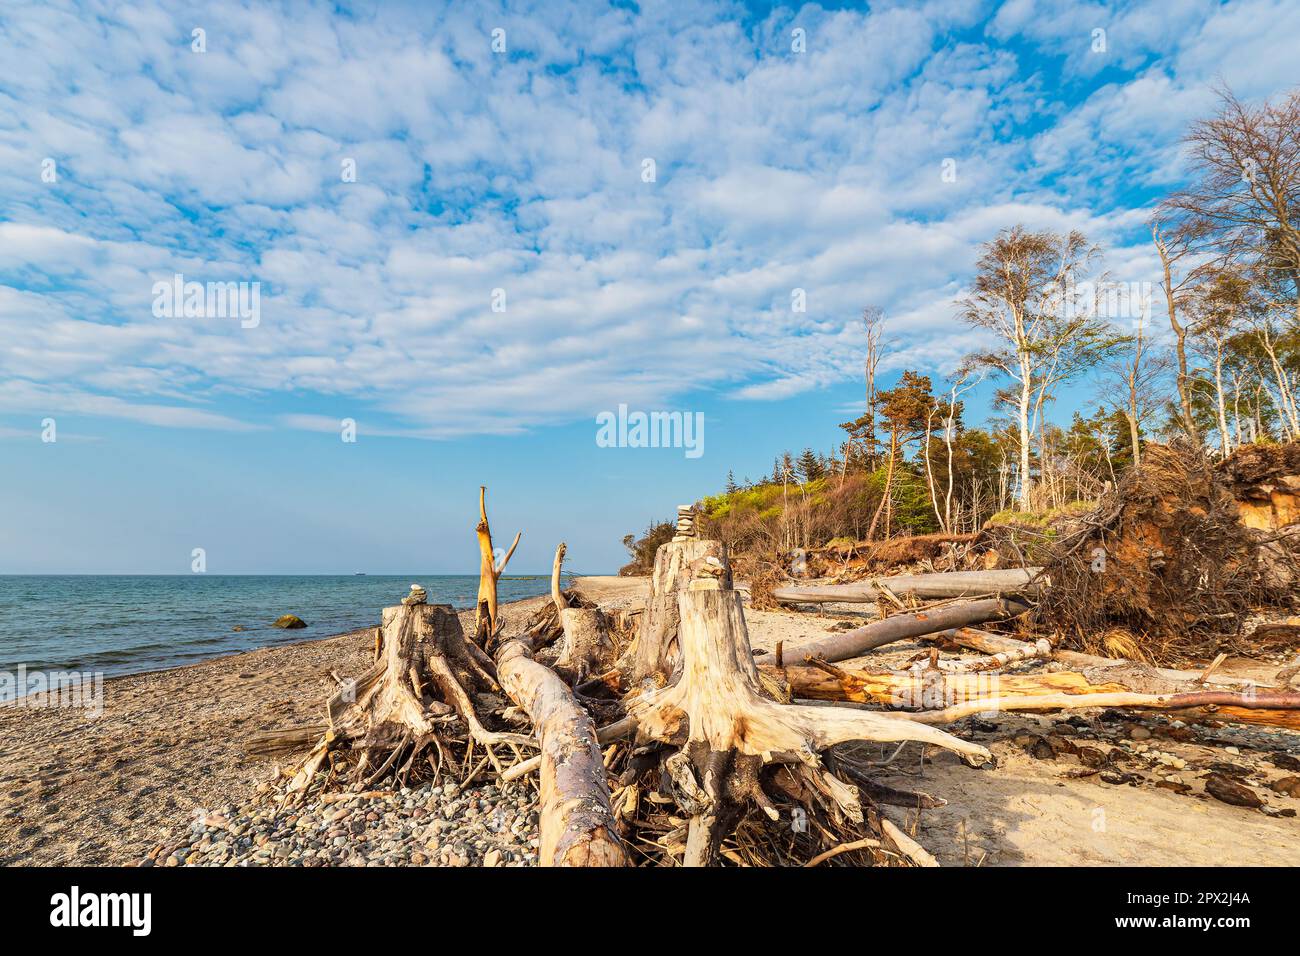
[[1025, 292], [1175, 245], [1245, 201], [1138, 371], [1218, 306]]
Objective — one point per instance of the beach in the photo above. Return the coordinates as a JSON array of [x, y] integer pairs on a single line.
[[161, 776]]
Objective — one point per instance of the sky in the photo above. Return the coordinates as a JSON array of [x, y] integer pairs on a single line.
[[473, 229]]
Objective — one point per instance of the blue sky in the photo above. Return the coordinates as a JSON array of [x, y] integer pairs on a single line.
[[522, 170]]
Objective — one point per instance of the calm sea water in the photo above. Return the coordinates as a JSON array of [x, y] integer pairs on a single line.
[[122, 624]]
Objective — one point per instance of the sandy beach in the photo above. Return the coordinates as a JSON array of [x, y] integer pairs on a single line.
[[167, 751]]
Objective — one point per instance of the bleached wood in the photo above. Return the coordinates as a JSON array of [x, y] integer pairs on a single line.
[[947, 584], [576, 822]]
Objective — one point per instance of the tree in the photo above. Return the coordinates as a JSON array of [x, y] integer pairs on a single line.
[[873, 317], [1026, 292], [1173, 246], [1218, 306], [810, 466], [1244, 203], [905, 410], [1137, 372]]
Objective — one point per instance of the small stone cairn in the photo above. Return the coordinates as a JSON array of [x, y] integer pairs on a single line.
[[685, 523]]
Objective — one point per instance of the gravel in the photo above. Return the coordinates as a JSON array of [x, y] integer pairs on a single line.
[[488, 825]]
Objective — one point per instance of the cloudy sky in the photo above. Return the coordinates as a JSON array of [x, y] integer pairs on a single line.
[[475, 227]]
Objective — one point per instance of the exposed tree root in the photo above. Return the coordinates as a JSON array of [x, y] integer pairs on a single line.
[[727, 729]]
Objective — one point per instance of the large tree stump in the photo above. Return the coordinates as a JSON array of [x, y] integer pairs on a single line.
[[422, 680], [653, 655], [587, 647], [729, 728]]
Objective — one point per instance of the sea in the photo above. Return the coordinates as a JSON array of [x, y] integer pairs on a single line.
[[125, 624]]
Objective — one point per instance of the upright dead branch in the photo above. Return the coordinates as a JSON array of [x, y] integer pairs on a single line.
[[489, 570], [576, 822]]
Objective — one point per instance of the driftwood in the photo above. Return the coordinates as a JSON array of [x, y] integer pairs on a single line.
[[939, 697], [948, 584], [987, 643], [576, 823], [408, 701], [587, 648], [653, 655], [848, 644], [727, 728], [489, 570]]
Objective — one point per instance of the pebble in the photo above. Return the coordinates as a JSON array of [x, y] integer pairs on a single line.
[[486, 825]]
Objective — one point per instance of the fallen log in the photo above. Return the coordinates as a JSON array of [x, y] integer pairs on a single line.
[[948, 584], [939, 697], [575, 820], [848, 644], [987, 643]]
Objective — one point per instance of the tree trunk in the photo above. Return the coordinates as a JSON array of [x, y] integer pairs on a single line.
[[1180, 344], [938, 585], [1026, 370], [587, 647], [653, 655], [728, 727], [848, 644], [577, 825]]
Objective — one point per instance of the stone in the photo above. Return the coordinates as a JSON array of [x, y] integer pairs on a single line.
[[291, 622], [1139, 733], [1229, 791], [1290, 786]]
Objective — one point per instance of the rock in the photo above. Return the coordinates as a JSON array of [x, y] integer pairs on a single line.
[[1287, 785], [1115, 778], [1284, 762], [492, 858], [1137, 732], [1041, 749], [1061, 745], [1093, 757], [1177, 786], [291, 622], [1230, 791]]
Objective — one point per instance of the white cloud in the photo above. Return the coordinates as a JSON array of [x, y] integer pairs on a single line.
[[775, 171]]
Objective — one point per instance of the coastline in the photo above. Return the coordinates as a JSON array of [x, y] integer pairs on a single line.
[[163, 772], [76, 789]]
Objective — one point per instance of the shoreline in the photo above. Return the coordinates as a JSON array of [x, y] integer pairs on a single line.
[[167, 748], [229, 632], [163, 771]]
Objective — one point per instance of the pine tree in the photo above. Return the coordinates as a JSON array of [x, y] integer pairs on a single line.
[[810, 466]]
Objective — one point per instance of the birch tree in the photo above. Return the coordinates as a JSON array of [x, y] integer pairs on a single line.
[[1027, 292]]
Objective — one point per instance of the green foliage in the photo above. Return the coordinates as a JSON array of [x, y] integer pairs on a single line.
[[643, 549]]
